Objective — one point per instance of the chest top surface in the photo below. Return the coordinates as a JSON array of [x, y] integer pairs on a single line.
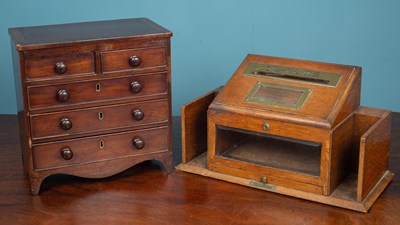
[[29, 38], [314, 93]]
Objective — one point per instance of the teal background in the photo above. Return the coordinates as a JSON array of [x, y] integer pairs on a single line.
[[211, 37]]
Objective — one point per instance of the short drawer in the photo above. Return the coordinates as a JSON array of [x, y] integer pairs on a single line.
[[268, 126], [84, 92], [60, 65], [133, 59], [98, 119], [100, 148]]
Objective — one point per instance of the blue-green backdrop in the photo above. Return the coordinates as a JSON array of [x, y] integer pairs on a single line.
[[211, 37]]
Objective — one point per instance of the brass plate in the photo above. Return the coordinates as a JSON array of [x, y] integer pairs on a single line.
[[290, 73], [278, 95], [257, 184]]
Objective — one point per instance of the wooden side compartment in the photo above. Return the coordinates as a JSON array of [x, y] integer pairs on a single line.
[[365, 157], [374, 147], [194, 126]]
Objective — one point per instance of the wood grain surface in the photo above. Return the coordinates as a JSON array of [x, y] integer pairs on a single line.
[[146, 194]]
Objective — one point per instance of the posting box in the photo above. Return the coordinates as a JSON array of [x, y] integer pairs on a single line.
[[293, 127]]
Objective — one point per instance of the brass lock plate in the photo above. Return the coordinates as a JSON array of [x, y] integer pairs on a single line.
[[291, 73], [278, 95]]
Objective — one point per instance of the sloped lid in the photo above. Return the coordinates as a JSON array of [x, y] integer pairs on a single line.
[[297, 91]]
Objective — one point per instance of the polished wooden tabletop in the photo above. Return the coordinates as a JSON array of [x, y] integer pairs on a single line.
[[146, 194]]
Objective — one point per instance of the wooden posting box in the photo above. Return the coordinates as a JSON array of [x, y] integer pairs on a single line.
[[293, 127]]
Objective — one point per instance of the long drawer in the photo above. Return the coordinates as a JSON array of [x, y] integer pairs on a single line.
[[75, 93], [105, 118], [100, 148]]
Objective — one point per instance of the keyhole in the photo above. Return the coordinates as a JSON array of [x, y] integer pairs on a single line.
[[101, 115], [102, 144], [98, 87]]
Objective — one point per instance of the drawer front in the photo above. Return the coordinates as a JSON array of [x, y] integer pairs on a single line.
[[269, 126], [100, 148], [76, 93], [100, 118], [133, 59], [60, 65]]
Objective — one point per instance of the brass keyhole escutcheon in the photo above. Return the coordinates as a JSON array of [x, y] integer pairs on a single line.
[[101, 115], [266, 126], [102, 143], [98, 87]]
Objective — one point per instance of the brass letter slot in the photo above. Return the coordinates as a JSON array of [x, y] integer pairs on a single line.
[[290, 73]]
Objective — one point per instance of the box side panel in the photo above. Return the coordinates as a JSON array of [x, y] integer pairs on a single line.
[[374, 155], [362, 122], [194, 126], [350, 100], [340, 162], [23, 117]]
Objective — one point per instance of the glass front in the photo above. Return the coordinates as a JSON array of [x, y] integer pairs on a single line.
[[268, 150]]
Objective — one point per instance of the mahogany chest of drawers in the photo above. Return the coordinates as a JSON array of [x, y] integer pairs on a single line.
[[93, 98]]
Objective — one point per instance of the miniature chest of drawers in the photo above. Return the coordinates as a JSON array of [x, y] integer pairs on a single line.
[[93, 98]]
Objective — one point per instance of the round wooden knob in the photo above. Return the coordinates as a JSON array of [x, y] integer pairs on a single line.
[[137, 114], [135, 61], [62, 95], [67, 153], [65, 124], [61, 68], [138, 143], [136, 87]]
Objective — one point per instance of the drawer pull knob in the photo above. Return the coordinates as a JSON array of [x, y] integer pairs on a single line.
[[266, 126], [138, 143], [67, 153], [136, 87], [62, 95], [65, 124], [135, 61], [264, 180], [61, 68], [137, 114]]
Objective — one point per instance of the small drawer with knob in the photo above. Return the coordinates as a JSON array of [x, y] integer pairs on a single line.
[[108, 89], [59, 66], [97, 119], [98, 148], [132, 59]]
